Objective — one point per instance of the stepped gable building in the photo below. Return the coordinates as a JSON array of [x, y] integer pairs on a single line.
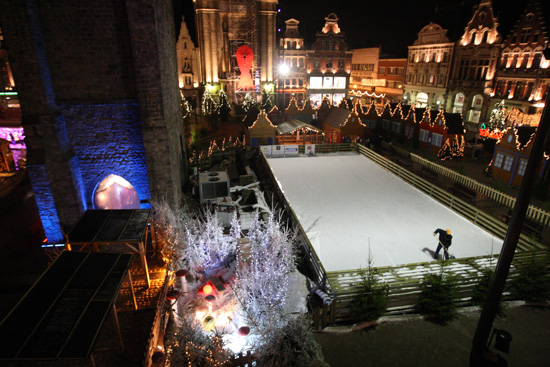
[[291, 72], [225, 25], [523, 73], [103, 128], [329, 65], [188, 65], [475, 60], [429, 68]]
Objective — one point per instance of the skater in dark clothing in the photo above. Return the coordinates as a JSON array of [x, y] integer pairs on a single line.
[[445, 239]]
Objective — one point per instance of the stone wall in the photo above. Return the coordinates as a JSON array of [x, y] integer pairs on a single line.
[[97, 82], [107, 139]]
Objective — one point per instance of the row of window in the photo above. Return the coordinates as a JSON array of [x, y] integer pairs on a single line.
[[330, 46], [294, 82], [510, 89], [329, 63], [521, 61], [391, 70], [294, 61], [426, 79], [362, 67], [506, 162], [425, 136], [429, 57], [472, 69], [327, 82]]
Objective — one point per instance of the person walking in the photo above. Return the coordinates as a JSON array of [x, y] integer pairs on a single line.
[[445, 240]]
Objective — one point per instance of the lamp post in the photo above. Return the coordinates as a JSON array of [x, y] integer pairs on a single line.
[[283, 71]]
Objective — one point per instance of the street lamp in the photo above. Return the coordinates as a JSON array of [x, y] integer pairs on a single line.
[[283, 71]]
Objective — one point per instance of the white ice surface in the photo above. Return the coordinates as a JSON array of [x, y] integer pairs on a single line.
[[346, 202]]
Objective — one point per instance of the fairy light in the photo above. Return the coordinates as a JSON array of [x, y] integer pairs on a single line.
[[368, 94]]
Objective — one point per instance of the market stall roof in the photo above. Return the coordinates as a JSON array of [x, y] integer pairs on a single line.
[[62, 314], [288, 127], [336, 117], [123, 225]]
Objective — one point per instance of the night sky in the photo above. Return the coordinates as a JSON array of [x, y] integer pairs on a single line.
[[391, 24]]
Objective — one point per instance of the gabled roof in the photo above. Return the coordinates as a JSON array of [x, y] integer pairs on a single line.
[[337, 116], [288, 127], [454, 123]]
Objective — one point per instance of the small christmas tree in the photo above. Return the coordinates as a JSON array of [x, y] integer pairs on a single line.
[[498, 116], [223, 106], [248, 102], [209, 106], [266, 104], [186, 108]]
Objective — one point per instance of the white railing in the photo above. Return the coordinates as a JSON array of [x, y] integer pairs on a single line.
[[533, 212]]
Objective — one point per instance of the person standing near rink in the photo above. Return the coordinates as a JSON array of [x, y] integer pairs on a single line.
[[445, 240]]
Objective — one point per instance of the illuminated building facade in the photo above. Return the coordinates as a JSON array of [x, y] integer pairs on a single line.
[[392, 72], [429, 68], [225, 25], [329, 64], [475, 60], [292, 66], [523, 73], [188, 65], [102, 128], [364, 74]]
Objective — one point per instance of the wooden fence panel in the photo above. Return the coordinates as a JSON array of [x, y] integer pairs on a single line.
[[404, 282]]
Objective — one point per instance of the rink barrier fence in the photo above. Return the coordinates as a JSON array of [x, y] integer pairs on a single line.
[[480, 218], [319, 275], [537, 214], [405, 281]]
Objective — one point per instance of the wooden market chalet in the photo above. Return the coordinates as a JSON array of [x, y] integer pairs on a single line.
[[437, 132]]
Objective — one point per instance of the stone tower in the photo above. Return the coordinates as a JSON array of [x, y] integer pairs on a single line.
[[225, 25], [98, 87]]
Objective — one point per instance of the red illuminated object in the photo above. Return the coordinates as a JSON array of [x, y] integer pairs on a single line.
[[207, 289]]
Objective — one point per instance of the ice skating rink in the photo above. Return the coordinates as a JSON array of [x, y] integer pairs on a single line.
[[346, 202]]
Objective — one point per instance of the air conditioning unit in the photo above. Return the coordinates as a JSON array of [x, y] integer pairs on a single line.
[[213, 185]]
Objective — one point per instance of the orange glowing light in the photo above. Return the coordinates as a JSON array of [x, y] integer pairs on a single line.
[[207, 289]]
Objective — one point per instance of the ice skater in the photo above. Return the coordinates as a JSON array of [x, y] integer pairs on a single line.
[[445, 240]]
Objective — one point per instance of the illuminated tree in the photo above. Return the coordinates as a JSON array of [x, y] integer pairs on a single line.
[[498, 116], [266, 104], [209, 106], [223, 106], [263, 283], [248, 102], [186, 108]]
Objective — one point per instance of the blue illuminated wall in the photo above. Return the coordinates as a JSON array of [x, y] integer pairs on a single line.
[[107, 139]]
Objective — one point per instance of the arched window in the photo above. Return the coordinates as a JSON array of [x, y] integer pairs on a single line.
[[422, 100], [458, 104], [485, 37], [114, 192]]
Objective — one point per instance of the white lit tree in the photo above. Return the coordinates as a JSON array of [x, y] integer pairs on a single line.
[[186, 108], [207, 247], [262, 287], [209, 106], [266, 104], [248, 102], [498, 116]]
